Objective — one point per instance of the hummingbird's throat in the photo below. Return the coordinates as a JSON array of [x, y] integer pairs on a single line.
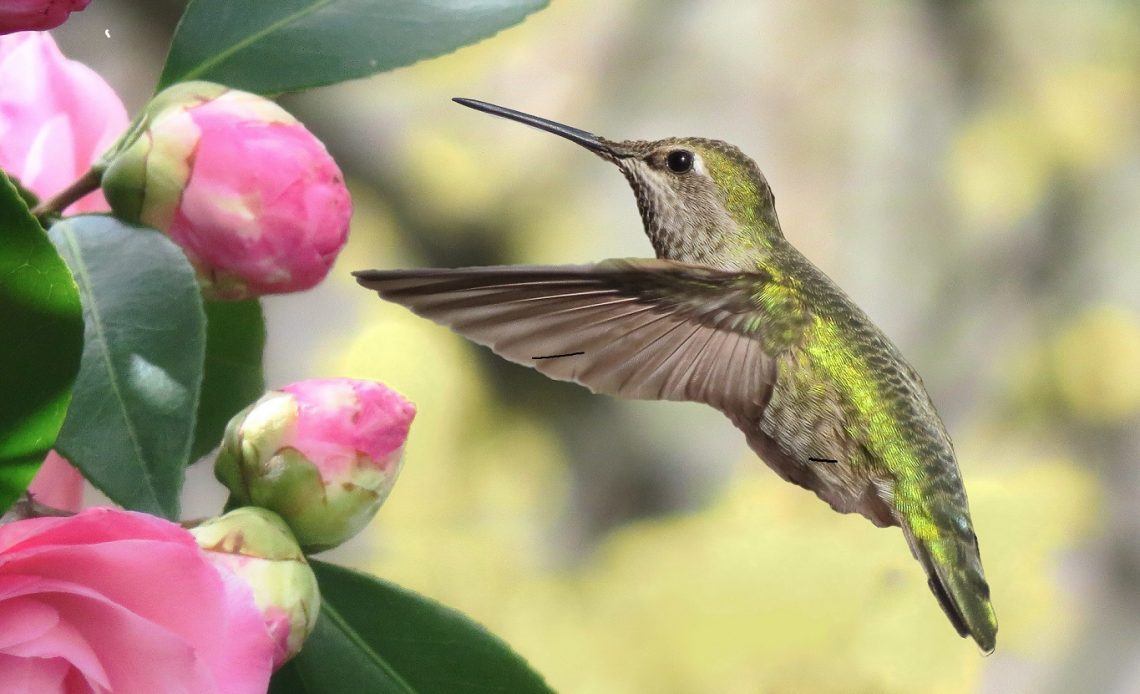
[[649, 203], [681, 229]]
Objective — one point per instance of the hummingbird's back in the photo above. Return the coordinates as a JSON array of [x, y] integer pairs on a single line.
[[850, 419]]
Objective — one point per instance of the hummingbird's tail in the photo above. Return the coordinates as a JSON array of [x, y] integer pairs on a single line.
[[954, 573]]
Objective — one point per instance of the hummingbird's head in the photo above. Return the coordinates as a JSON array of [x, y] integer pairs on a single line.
[[702, 201]]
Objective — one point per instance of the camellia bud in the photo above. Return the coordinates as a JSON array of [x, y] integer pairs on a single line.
[[256, 545], [251, 196], [36, 15], [321, 453]]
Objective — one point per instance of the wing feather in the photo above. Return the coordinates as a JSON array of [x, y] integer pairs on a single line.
[[647, 329]]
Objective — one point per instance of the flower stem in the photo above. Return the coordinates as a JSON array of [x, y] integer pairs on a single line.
[[85, 184], [27, 507]]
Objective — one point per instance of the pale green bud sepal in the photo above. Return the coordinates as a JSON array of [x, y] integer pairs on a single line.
[[256, 545]]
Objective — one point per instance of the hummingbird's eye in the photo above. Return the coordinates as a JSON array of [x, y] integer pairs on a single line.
[[679, 160]]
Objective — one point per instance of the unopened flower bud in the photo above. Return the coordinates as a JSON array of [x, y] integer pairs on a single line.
[[256, 545], [36, 15], [251, 196], [321, 453]]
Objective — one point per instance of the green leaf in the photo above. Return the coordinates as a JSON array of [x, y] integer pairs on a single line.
[[30, 199], [41, 338], [274, 46], [131, 419], [235, 343], [373, 636]]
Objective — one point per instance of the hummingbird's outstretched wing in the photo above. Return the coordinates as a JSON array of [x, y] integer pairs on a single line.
[[641, 329]]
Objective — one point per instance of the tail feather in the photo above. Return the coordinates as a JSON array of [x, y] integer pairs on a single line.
[[957, 581]]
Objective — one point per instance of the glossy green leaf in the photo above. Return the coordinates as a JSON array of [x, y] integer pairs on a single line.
[[373, 636], [131, 418], [41, 338], [274, 46], [233, 378]]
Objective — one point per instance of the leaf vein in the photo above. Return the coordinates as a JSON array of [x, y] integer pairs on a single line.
[[84, 277], [364, 647], [225, 54]]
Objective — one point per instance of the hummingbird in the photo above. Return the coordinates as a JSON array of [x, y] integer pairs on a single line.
[[731, 315]]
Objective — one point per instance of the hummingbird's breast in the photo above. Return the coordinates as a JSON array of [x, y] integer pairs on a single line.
[[848, 416], [807, 433]]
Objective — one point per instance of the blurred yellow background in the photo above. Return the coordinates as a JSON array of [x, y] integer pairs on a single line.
[[968, 172]]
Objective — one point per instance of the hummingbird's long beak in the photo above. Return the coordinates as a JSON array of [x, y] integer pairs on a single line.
[[588, 140]]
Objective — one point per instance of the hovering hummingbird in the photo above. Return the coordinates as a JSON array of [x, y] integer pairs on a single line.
[[731, 315]]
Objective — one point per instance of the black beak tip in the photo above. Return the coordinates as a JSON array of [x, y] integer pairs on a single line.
[[586, 139], [479, 105]]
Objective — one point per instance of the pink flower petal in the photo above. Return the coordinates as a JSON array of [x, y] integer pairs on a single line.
[[23, 621], [137, 605], [35, 675], [58, 484], [53, 110], [337, 418], [52, 638]]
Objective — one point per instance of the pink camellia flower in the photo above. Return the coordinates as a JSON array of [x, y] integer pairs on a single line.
[[322, 454], [57, 117], [58, 484], [115, 601], [36, 15], [250, 195], [255, 544]]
